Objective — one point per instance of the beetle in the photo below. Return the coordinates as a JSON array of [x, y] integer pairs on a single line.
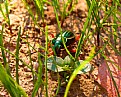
[[57, 41]]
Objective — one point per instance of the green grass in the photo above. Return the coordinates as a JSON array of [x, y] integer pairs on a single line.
[[105, 17], [5, 11], [17, 55], [39, 81], [77, 70], [6, 65], [12, 87]]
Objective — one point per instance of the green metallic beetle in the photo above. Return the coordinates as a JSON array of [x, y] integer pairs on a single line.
[[58, 43]]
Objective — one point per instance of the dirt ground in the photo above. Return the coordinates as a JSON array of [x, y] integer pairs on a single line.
[[83, 86]]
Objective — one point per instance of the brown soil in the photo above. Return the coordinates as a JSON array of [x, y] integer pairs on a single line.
[[83, 86]]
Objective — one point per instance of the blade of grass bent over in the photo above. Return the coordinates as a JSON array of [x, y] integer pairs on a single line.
[[91, 56]]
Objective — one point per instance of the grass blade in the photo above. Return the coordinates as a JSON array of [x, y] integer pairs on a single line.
[[39, 77], [46, 49], [91, 56], [18, 58], [84, 30], [12, 87], [7, 11], [114, 82], [30, 12], [3, 53], [17, 55]]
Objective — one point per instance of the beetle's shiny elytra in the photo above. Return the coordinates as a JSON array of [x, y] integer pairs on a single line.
[[57, 42]]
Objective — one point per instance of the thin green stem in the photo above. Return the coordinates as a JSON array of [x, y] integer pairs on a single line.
[[113, 80], [46, 49], [17, 54], [3, 52]]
